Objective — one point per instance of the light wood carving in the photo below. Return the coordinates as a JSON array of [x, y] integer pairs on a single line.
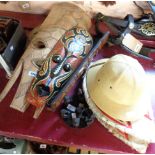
[[120, 9], [62, 17]]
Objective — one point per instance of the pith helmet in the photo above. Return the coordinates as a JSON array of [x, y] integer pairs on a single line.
[[117, 86]]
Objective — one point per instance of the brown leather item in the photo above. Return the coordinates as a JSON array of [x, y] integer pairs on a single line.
[[64, 16]]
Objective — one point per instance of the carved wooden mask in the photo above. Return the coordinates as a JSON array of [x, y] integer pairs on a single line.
[[59, 65]]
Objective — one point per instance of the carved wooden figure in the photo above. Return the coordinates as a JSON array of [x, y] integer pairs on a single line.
[[62, 17]]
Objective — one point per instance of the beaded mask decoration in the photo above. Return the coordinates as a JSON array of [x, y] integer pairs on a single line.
[[148, 29]]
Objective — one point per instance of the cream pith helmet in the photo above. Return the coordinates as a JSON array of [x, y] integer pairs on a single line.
[[117, 86]]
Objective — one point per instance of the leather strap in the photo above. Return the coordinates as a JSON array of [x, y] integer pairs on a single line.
[[144, 26], [144, 53], [125, 26]]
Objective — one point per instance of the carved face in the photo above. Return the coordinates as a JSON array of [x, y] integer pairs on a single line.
[[59, 65]]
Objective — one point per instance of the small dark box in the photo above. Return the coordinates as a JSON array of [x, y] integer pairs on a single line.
[[12, 43]]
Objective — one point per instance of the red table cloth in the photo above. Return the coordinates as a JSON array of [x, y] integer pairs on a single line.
[[49, 127]]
